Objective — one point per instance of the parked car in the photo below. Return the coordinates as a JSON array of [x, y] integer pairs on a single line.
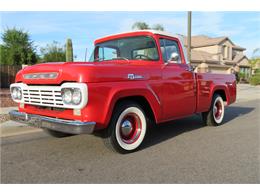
[[131, 80]]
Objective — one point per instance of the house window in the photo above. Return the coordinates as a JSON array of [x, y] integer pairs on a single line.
[[225, 52]]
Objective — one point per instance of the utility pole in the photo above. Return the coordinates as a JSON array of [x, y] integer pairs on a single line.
[[189, 36]]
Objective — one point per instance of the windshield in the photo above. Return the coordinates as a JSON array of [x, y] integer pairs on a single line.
[[131, 48]]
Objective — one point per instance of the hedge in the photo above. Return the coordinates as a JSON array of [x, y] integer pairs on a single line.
[[255, 79]]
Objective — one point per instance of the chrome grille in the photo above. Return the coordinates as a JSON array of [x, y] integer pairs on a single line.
[[43, 96]]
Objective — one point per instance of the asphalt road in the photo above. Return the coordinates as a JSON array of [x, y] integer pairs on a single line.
[[182, 151]]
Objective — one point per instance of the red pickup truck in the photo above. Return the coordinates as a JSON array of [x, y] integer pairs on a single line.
[[132, 79]]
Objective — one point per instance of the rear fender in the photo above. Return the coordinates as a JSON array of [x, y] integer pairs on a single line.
[[222, 88]]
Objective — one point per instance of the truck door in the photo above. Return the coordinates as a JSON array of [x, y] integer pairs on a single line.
[[179, 95]]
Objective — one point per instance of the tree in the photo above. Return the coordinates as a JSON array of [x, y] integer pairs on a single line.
[[140, 26], [256, 52], [17, 48], [69, 51], [53, 52], [255, 60], [158, 27], [3, 55], [255, 57], [145, 26]]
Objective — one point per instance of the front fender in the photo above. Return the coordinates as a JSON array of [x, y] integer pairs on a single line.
[[147, 93], [103, 98]]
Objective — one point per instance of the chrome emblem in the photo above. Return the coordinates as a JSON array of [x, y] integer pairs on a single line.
[[134, 76], [47, 75]]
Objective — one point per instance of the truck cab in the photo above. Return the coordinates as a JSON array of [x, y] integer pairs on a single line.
[[131, 80]]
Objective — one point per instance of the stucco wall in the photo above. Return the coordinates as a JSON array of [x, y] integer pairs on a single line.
[[244, 62], [218, 70], [215, 49]]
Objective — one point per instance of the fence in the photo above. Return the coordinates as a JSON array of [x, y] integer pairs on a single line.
[[8, 73]]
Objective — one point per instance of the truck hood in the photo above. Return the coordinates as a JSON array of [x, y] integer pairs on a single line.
[[86, 72]]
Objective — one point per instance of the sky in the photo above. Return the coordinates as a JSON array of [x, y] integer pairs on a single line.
[[243, 28]]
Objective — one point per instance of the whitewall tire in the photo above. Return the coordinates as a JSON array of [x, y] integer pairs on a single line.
[[218, 110], [215, 115], [127, 128]]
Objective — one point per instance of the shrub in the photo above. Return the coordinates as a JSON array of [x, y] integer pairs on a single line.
[[255, 79], [257, 71], [241, 77], [53, 52]]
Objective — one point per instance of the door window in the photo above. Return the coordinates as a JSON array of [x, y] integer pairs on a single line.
[[168, 47], [106, 53]]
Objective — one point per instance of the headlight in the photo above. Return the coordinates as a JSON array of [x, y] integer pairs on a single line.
[[76, 96], [67, 96], [16, 93], [71, 96]]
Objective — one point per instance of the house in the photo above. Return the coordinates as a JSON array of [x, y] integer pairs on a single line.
[[220, 54]]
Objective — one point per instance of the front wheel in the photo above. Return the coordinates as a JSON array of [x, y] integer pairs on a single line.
[[215, 115], [127, 128]]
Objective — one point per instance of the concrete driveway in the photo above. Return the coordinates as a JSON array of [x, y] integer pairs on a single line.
[[182, 151]]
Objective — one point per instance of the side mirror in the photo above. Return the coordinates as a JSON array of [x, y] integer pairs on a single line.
[[174, 57]]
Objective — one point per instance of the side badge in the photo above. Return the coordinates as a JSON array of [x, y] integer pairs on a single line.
[[133, 76]]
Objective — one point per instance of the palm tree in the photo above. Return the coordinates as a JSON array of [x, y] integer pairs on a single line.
[[158, 27], [255, 59], [140, 26], [145, 26]]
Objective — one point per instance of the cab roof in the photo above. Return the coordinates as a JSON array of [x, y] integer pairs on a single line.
[[137, 32]]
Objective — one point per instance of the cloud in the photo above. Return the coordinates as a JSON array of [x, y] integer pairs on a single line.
[[214, 24]]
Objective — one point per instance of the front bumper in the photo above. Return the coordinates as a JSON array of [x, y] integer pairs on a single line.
[[65, 126]]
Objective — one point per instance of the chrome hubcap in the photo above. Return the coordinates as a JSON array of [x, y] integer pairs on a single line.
[[130, 128], [217, 110], [126, 127]]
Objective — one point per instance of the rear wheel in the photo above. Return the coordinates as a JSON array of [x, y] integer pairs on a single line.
[[215, 115], [127, 128], [57, 134]]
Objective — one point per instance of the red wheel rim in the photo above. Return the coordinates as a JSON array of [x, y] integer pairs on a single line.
[[218, 110], [130, 128]]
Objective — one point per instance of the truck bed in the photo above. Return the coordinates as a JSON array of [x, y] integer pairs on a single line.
[[208, 83]]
